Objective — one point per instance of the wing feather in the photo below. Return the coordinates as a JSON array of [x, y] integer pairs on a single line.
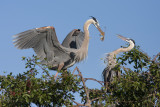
[[74, 39], [45, 44]]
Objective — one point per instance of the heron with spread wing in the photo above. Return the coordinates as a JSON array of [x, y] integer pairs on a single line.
[[48, 49], [109, 73]]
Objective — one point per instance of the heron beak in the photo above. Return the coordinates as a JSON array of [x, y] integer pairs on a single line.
[[102, 33], [120, 36]]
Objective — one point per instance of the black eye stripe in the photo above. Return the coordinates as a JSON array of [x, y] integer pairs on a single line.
[[131, 40], [94, 19]]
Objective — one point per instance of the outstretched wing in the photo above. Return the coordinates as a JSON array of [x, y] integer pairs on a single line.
[[45, 43], [74, 39]]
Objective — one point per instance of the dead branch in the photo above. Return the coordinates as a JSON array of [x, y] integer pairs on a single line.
[[74, 70], [100, 82], [97, 98], [85, 89], [78, 104], [154, 59]]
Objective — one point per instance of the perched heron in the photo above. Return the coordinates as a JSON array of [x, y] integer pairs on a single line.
[[108, 72], [48, 49]]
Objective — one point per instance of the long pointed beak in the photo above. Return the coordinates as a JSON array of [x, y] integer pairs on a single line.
[[120, 36], [102, 33]]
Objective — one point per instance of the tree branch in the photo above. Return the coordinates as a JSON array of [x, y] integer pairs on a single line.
[[154, 59], [97, 98], [85, 88], [100, 82], [78, 104]]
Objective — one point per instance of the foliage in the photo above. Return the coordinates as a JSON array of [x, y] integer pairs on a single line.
[[26, 88], [139, 85]]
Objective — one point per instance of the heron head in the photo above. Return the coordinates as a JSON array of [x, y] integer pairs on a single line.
[[130, 40], [96, 24], [126, 39]]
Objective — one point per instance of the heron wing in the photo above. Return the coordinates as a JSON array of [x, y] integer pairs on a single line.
[[45, 44], [105, 74], [74, 39]]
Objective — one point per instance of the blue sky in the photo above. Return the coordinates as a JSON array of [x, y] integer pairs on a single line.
[[136, 19]]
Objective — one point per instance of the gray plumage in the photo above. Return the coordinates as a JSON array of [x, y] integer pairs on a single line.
[[109, 73], [48, 49], [74, 39], [43, 41]]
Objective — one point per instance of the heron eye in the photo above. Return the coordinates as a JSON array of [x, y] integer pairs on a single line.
[[97, 23]]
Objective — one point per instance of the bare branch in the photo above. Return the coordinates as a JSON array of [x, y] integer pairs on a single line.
[[78, 104], [74, 70], [97, 98], [85, 88], [100, 82], [154, 59]]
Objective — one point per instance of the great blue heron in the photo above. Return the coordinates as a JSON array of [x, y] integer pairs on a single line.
[[48, 49], [108, 72]]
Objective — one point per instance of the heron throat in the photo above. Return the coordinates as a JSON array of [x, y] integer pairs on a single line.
[[83, 51], [131, 46]]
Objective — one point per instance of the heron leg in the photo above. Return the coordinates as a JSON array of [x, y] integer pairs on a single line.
[[60, 66], [55, 75]]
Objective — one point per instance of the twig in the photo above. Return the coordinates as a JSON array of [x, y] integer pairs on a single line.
[[154, 59], [100, 82], [97, 98], [78, 104], [85, 88], [74, 70]]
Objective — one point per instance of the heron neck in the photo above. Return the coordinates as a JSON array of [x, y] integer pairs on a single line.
[[83, 51], [86, 33], [131, 46]]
